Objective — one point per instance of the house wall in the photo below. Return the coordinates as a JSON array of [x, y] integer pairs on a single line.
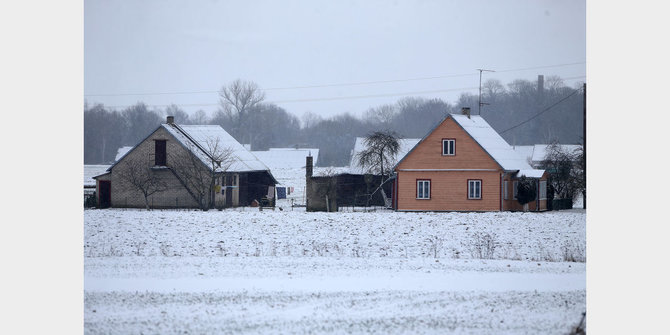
[[176, 195], [449, 191], [448, 188]]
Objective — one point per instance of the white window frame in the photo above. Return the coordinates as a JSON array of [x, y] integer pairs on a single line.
[[452, 147], [474, 195], [515, 185], [426, 193], [543, 190], [505, 189]]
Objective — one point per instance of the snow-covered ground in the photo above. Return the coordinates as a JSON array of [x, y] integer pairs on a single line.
[[247, 271]]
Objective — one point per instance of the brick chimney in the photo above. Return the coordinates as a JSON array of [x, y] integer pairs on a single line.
[[170, 119], [466, 111], [309, 166]]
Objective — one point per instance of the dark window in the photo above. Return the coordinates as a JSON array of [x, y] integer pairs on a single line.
[[448, 147], [160, 154]]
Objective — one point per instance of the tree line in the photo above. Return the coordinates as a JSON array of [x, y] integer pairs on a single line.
[[249, 119]]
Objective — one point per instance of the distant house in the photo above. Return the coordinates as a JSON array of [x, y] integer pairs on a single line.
[[179, 161], [463, 164], [286, 158], [535, 154]]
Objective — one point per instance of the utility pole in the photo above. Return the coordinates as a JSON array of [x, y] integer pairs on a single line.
[[479, 111], [584, 192]]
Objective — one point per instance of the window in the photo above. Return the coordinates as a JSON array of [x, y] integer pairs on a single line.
[[423, 189], [505, 190], [448, 147], [543, 189], [514, 189], [160, 155], [474, 189]]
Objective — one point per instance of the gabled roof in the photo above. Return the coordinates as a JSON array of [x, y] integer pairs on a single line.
[[488, 139], [406, 144], [203, 135], [492, 142], [196, 137]]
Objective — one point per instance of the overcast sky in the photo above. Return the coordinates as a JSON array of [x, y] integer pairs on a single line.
[[186, 50]]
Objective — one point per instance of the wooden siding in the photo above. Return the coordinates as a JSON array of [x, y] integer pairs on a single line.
[[468, 153], [449, 191]]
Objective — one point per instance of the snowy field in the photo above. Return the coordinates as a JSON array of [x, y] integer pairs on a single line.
[[246, 271]]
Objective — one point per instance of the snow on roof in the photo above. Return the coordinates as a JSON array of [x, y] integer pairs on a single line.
[[540, 150], [91, 171], [532, 173], [406, 145], [286, 158], [492, 142], [537, 152], [122, 152], [243, 160]]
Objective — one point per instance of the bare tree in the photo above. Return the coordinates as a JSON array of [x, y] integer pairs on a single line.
[[237, 99], [199, 117], [381, 150], [199, 166], [382, 115], [139, 174], [310, 119], [493, 89]]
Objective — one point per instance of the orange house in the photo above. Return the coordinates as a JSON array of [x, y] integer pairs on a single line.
[[463, 164]]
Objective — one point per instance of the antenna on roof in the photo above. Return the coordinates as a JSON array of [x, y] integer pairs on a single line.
[[479, 111]]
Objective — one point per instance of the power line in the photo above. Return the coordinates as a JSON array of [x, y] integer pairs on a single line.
[[542, 112], [324, 99], [327, 98], [338, 84]]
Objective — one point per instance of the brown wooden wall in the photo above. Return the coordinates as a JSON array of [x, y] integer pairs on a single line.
[[449, 191]]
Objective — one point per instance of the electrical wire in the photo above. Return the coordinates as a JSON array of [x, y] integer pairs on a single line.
[[340, 84], [542, 112]]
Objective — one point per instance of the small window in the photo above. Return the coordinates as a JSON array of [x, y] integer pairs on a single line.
[[160, 155], [448, 147], [543, 189], [423, 189], [505, 190], [474, 189], [515, 190]]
